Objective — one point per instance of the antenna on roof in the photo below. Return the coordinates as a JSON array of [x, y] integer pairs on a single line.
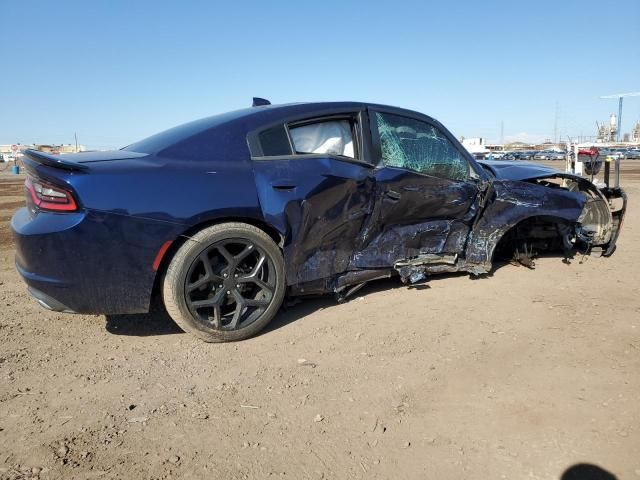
[[258, 102]]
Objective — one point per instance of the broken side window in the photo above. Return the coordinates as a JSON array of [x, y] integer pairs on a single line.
[[333, 137], [419, 146]]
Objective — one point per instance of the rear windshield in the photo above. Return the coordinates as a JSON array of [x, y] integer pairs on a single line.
[[163, 140]]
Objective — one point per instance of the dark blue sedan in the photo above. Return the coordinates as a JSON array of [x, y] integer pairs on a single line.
[[223, 217]]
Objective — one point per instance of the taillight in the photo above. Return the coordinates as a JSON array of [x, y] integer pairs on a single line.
[[50, 197]]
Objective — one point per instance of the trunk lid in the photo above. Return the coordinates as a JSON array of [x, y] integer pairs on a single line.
[[79, 161]]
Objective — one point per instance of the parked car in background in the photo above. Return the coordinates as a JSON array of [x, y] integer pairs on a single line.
[[525, 155], [609, 152], [549, 155], [621, 152], [632, 154], [541, 155], [554, 155], [223, 217]]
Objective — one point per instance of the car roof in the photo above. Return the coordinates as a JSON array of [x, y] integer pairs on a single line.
[[285, 109], [253, 118]]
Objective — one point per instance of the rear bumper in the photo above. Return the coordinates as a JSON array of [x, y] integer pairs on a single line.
[[89, 262], [48, 302]]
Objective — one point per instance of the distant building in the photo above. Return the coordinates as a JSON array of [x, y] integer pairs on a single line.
[[607, 132], [494, 147], [475, 146], [518, 146], [7, 153], [55, 149], [549, 145], [635, 133], [5, 148]]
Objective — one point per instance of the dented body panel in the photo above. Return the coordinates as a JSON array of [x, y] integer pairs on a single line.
[[343, 227], [320, 206], [415, 214], [512, 203], [340, 219]]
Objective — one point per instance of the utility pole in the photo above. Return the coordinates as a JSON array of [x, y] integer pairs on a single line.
[[75, 135], [619, 119], [555, 125], [502, 132], [620, 96]]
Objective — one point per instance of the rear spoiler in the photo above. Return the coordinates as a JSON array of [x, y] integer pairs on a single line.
[[54, 161]]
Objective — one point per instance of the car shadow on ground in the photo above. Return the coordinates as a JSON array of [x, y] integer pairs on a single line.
[[154, 323], [159, 322], [587, 471]]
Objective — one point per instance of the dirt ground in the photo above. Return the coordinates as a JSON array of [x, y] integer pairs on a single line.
[[519, 375]]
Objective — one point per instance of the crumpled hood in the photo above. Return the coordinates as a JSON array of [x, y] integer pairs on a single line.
[[519, 170]]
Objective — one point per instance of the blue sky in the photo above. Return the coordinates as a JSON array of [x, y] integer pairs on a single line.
[[116, 71]]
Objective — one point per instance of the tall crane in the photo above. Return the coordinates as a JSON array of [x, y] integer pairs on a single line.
[[620, 96]]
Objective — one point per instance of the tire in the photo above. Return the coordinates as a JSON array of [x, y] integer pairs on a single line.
[[239, 292]]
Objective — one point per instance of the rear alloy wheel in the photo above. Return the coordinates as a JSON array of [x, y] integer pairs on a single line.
[[225, 283]]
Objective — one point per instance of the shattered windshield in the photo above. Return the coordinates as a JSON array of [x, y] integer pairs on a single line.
[[415, 145]]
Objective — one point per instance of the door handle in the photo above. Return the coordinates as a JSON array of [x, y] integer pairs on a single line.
[[393, 195], [284, 184]]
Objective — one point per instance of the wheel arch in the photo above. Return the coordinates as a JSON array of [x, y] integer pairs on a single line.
[[270, 230], [543, 218]]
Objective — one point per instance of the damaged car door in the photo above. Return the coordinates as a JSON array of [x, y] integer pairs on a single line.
[[314, 183], [427, 194]]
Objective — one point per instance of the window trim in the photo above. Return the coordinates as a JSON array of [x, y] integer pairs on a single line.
[[357, 118], [377, 146], [354, 120]]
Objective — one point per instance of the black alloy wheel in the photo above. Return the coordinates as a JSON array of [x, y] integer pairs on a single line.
[[225, 283], [230, 284]]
